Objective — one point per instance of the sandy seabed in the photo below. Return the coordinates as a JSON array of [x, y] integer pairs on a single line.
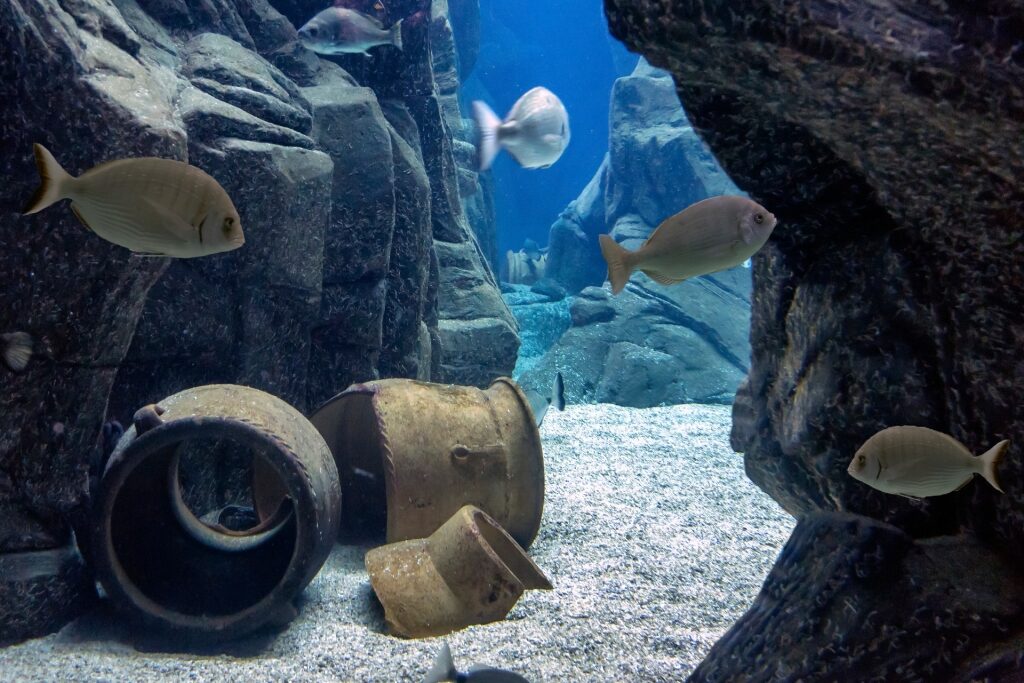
[[652, 535]]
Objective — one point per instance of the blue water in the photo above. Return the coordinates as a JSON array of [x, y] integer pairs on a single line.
[[563, 45]]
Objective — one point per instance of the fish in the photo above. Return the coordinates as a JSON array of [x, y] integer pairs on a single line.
[[917, 462], [535, 132], [341, 30], [540, 403], [17, 349], [711, 235], [444, 670], [152, 206]]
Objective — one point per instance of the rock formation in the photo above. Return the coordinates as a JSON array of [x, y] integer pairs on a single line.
[[651, 345], [359, 262], [656, 166], [886, 138]]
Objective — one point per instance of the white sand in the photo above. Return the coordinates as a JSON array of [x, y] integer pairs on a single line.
[[652, 535]]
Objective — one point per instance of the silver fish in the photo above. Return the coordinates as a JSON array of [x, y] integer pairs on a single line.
[[711, 235], [444, 670], [535, 132], [340, 30], [918, 462], [540, 403], [17, 349], [157, 207]]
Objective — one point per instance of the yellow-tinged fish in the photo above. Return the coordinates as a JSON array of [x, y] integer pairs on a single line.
[[711, 235], [157, 207], [918, 462]]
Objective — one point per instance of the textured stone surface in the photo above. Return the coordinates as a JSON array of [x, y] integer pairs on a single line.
[[853, 598], [41, 590], [885, 136], [653, 345]]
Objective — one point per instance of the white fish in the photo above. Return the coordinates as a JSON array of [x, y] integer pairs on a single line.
[[340, 30], [918, 462], [17, 349], [535, 132], [157, 207], [711, 235], [444, 670]]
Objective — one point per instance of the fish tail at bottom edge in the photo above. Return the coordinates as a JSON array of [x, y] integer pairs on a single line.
[[620, 263]]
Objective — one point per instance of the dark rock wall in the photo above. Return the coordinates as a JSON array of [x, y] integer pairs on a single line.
[[886, 137], [344, 175]]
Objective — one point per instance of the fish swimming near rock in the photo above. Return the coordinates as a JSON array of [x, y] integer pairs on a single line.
[[711, 235], [917, 462], [540, 403], [535, 132], [156, 207], [17, 349], [444, 670], [341, 30]]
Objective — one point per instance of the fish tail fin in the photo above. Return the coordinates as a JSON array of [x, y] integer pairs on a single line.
[[17, 350], [52, 181], [990, 460], [620, 262], [396, 34], [558, 392], [488, 144], [444, 667]]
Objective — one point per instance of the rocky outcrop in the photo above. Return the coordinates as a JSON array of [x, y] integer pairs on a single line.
[[343, 178], [885, 136], [656, 166], [653, 345]]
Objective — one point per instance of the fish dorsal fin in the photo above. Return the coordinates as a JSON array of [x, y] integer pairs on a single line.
[[175, 225], [662, 279]]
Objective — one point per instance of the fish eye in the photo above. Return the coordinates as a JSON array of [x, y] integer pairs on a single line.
[[861, 460], [759, 218], [312, 31], [229, 222]]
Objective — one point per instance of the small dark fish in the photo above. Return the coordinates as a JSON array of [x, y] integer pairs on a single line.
[[340, 30], [17, 349], [540, 403], [444, 670]]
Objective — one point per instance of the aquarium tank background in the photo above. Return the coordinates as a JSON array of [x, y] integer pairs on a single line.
[[329, 401]]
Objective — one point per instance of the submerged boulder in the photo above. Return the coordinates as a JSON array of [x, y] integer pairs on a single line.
[[653, 345], [885, 136]]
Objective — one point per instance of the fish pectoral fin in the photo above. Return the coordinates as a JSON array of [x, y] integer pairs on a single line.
[[80, 217], [662, 279], [552, 139], [175, 225], [913, 498]]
